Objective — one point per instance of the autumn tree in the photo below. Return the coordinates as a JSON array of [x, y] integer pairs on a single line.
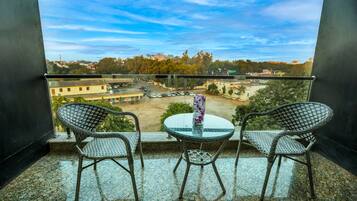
[[110, 65]]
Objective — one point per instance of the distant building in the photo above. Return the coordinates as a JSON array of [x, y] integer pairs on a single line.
[[232, 72], [295, 62], [265, 72], [92, 90], [158, 57]]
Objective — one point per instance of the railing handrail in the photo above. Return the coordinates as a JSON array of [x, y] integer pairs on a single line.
[[172, 76]]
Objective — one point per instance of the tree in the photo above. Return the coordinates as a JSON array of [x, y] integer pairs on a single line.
[[275, 94], [241, 90], [175, 108], [185, 57], [110, 65], [212, 89], [230, 92], [110, 123], [203, 60], [224, 89]]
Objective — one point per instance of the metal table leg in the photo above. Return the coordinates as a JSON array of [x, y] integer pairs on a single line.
[[179, 160], [178, 163], [187, 168], [189, 163]]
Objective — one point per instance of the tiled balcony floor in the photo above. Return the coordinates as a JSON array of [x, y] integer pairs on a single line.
[[53, 178]]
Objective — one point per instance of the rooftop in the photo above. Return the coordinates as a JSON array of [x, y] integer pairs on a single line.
[[88, 82]]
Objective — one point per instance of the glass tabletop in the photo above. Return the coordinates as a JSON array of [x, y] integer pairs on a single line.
[[213, 129]]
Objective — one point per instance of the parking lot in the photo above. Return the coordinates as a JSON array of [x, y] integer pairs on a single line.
[[149, 110]]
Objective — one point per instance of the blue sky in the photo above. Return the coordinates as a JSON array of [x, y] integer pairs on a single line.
[[262, 30]]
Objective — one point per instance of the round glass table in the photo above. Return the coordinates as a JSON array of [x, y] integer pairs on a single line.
[[213, 129]]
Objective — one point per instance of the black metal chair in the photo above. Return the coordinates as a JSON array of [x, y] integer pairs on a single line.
[[83, 119], [299, 120]]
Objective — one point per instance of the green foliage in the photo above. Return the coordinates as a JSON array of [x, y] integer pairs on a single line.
[[247, 66], [201, 63], [224, 89], [212, 89], [111, 122], [241, 90], [230, 92], [275, 94], [175, 108], [110, 65]]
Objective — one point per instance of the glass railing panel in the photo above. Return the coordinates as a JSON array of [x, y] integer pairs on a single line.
[[154, 99]]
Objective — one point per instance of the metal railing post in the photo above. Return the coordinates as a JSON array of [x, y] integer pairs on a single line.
[[68, 133], [310, 87]]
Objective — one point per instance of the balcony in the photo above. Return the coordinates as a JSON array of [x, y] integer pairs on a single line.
[[108, 182], [39, 159]]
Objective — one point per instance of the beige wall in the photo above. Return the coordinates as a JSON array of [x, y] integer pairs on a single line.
[[78, 90], [116, 98]]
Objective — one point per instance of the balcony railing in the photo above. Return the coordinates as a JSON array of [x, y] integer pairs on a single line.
[[149, 96]]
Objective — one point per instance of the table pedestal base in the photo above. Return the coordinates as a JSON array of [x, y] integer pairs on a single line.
[[200, 158]]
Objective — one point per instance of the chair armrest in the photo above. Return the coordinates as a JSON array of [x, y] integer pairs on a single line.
[[136, 120], [288, 133], [250, 116]]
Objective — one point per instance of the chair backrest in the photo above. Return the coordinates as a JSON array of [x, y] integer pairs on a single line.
[[303, 116], [80, 117]]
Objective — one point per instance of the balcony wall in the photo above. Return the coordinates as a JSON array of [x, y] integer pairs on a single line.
[[335, 65], [25, 116]]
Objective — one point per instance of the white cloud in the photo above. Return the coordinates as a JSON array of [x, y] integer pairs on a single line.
[[295, 10], [94, 29], [225, 3], [62, 46], [202, 2], [141, 41], [55, 46], [302, 42], [199, 16], [165, 21], [254, 39]]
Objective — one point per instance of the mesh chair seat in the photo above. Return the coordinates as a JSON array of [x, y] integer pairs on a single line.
[[110, 147], [262, 140]]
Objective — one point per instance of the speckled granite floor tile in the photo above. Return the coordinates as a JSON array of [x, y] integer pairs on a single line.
[[54, 176]]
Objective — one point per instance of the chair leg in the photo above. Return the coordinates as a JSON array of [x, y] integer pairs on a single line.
[[184, 180], [95, 164], [237, 157], [79, 174], [141, 154], [270, 164], [132, 175], [309, 170], [279, 162], [218, 177]]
